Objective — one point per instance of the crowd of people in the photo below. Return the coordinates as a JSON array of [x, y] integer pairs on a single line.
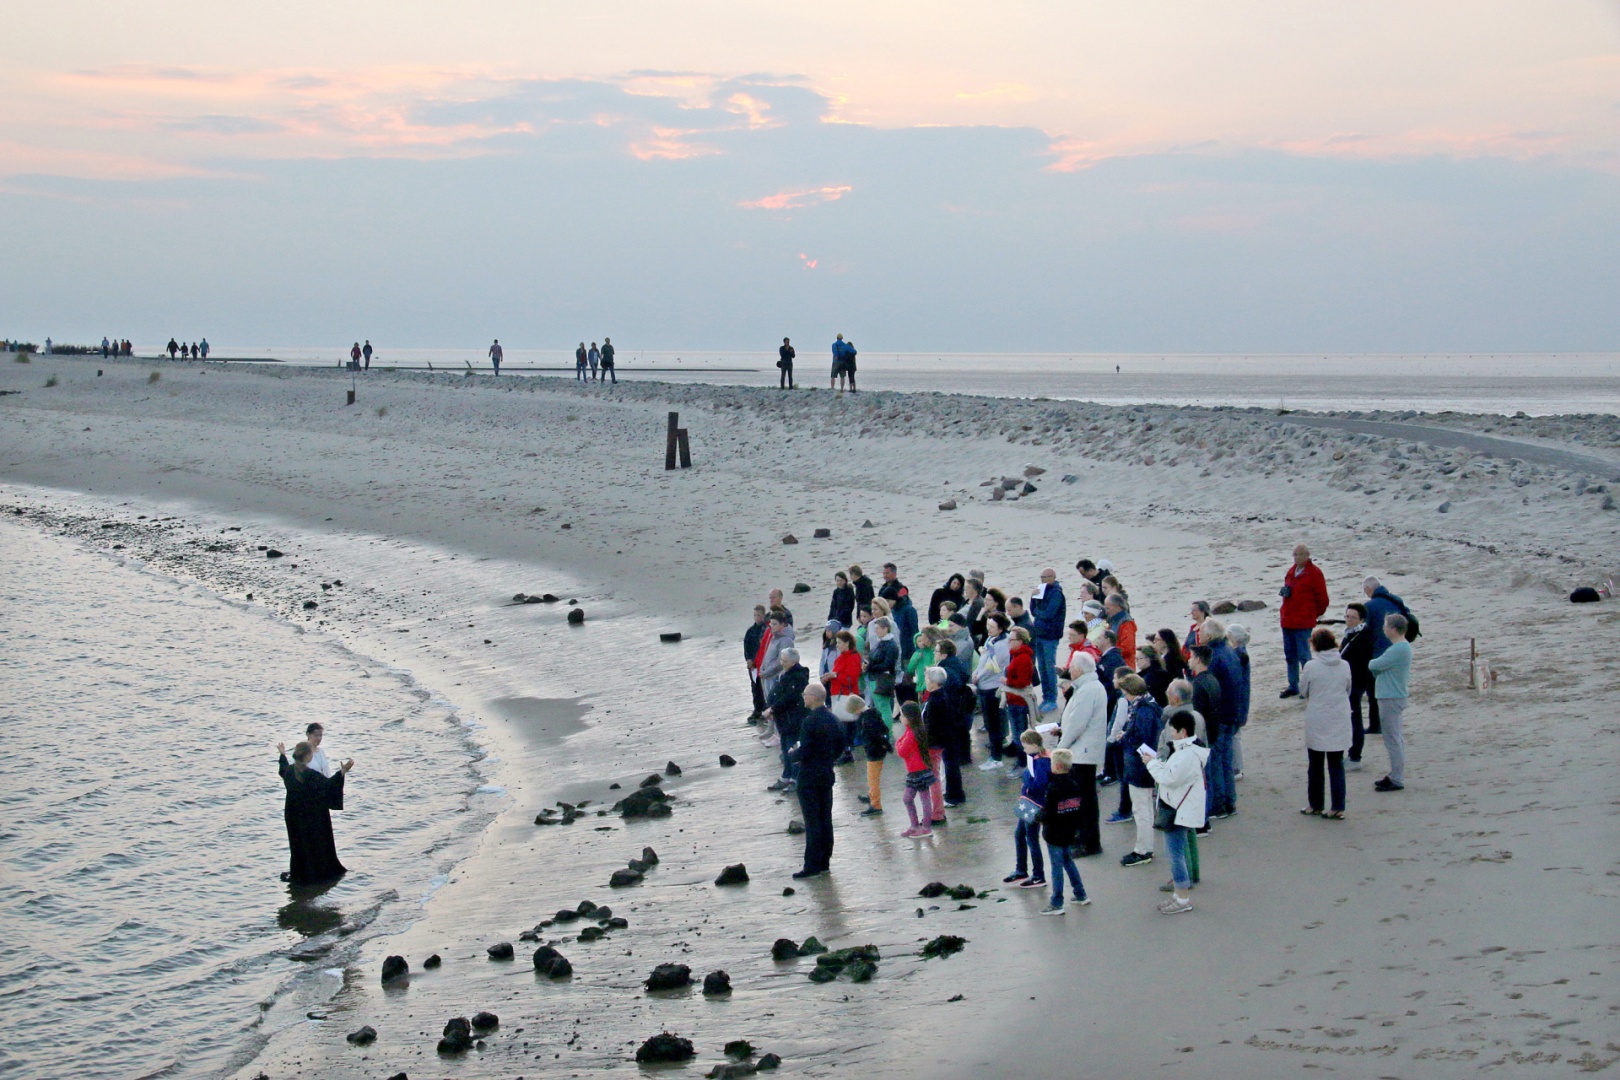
[[1069, 708], [595, 364], [843, 365]]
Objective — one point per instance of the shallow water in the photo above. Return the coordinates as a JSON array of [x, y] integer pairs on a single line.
[[1535, 383], [142, 832]]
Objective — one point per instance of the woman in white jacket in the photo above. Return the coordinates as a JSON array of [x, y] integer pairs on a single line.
[[1324, 686], [1181, 789]]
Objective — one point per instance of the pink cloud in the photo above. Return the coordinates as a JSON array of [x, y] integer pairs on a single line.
[[792, 200]]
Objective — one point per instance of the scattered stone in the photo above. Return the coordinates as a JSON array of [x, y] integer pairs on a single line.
[[652, 780], [433, 961], [672, 769], [1070, 478], [716, 983], [671, 636], [830, 965], [790, 539], [310, 605], [795, 827], [1585, 595], [586, 907], [812, 946], [1028, 489], [943, 946], [962, 892], [364, 1037], [867, 524], [1033, 470], [727, 761], [669, 977], [735, 1070], [590, 933], [1251, 605], [789, 891], [600, 914], [272, 553], [1443, 508], [457, 1036], [638, 866], [948, 504], [785, 949], [735, 874], [823, 534], [997, 495], [576, 616], [665, 1047], [501, 951], [861, 971], [394, 967], [931, 890], [565, 915], [642, 803], [532, 600], [740, 1048], [649, 856], [625, 877], [1223, 607], [769, 1062], [801, 587], [484, 1021], [614, 787], [548, 961], [616, 923], [519, 598]]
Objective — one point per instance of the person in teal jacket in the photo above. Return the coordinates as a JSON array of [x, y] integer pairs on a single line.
[[1392, 670]]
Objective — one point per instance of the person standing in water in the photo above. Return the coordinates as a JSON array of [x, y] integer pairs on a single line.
[[607, 362], [495, 354], [311, 798]]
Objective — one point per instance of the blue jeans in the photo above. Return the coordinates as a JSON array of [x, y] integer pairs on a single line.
[[1296, 650], [1175, 842], [1046, 664], [1027, 840], [1063, 863], [1222, 788], [1017, 724]]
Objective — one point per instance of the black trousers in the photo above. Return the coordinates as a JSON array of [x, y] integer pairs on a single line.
[[1334, 760], [786, 381], [994, 731], [1088, 839], [815, 802], [758, 687], [957, 753]]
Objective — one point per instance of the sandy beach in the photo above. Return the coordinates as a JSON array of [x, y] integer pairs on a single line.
[[1462, 926]]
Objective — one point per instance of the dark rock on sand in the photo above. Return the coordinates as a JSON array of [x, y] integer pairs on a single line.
[[616, 923], [740, 1048], [652, 780], [1028, 489], [948, 504], [727, 761], [795, 827], [532, 600], [932, 890], [638, 866], [457, 1036], [625, 877], [659, 810], [665, 1047], [394, 967], [501, 951], [272, 553], [823, 534], [484, 1021], [615, 787], [790, 539], [600, 914], [548, 961], [867, 524], [943, 946], [785, 949], [961, 892], [586, 907], [861, 971], [812, 946], [1251, 605], [670, 635], [769, 1062], [1033, 470], [576, 616], [565, 915], [310, 605], [649, 856], [1223, 607], [669, 977], [1585, 595], [518, 598], [801, 587], [858, 960], [364, 1037], [789, 891], [590, 933], [433, 961], [672, 769], [642, 803], [734, 1070], [716, 983], [735, 874]]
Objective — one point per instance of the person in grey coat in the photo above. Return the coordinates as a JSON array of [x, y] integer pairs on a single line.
[[1324, 686], [770, 669]]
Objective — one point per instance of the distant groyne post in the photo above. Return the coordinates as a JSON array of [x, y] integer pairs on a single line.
[[676, 444]]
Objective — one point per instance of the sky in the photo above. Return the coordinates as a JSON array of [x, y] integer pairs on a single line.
[[1257, 175]]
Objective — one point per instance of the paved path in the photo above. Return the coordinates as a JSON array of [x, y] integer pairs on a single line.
[[1608, 468]]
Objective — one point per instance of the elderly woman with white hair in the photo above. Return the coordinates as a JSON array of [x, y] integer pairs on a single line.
[[1237, 636], [1084, 733], [939, 720]]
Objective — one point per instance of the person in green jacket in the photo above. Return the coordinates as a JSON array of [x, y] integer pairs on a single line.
[[922, 658], [1392, 670]]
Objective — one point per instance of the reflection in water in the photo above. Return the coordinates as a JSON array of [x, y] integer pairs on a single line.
[[304, 916]]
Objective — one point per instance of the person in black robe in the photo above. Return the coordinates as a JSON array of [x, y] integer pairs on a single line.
[[311, 798]]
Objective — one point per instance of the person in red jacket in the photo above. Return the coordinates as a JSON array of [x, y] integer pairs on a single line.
[[1305, 598], [1019, 678]]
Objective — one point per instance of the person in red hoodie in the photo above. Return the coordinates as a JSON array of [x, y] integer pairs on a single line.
[[1019, 677], [844, 680], [1304, 598]]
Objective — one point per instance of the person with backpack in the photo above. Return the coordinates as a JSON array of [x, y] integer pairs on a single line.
[[877, 745], [1393, 669], [1060, 826]]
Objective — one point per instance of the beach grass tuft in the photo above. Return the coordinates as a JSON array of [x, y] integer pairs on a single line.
[[154, 377], [382, 410], [24, 358], [50, 382]]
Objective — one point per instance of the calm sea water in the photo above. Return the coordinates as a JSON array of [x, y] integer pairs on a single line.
[[141, 834], [1535, 383]]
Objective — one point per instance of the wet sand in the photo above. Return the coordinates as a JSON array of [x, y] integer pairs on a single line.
[[1458, 925]]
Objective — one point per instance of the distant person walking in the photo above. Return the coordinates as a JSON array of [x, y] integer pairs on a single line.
[[607, 361], [784, 362], [106, 347], [204, 348], [1393, 670], [595, 358], [843, 364], [1304, 598], [495, 354], [579, 363], [173, 347], [365, 352], [354, 356]]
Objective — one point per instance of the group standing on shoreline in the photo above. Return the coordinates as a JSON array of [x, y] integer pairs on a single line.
[[1066, 708]]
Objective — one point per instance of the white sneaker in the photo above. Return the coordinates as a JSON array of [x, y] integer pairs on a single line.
[[990, 765], [1237, 775]]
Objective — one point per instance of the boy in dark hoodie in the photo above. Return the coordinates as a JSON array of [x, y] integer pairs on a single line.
[[875, 741]]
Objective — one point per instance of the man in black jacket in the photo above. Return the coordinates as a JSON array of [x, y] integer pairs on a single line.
[[785, 707], [784, 361], [751, 639], [1357, 651], [820, 743], [892, 588]]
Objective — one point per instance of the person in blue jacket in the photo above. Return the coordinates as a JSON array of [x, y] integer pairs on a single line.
[[1027, 835], [1381, 604], [1048, 612]]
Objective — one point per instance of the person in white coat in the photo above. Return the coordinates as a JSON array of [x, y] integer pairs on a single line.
[[1180, 779], [1324, 686], [1084, 733], [317, 760]]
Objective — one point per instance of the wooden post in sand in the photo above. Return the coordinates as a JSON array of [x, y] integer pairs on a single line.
[[673, 440], [686, 448], [1473, 664]]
